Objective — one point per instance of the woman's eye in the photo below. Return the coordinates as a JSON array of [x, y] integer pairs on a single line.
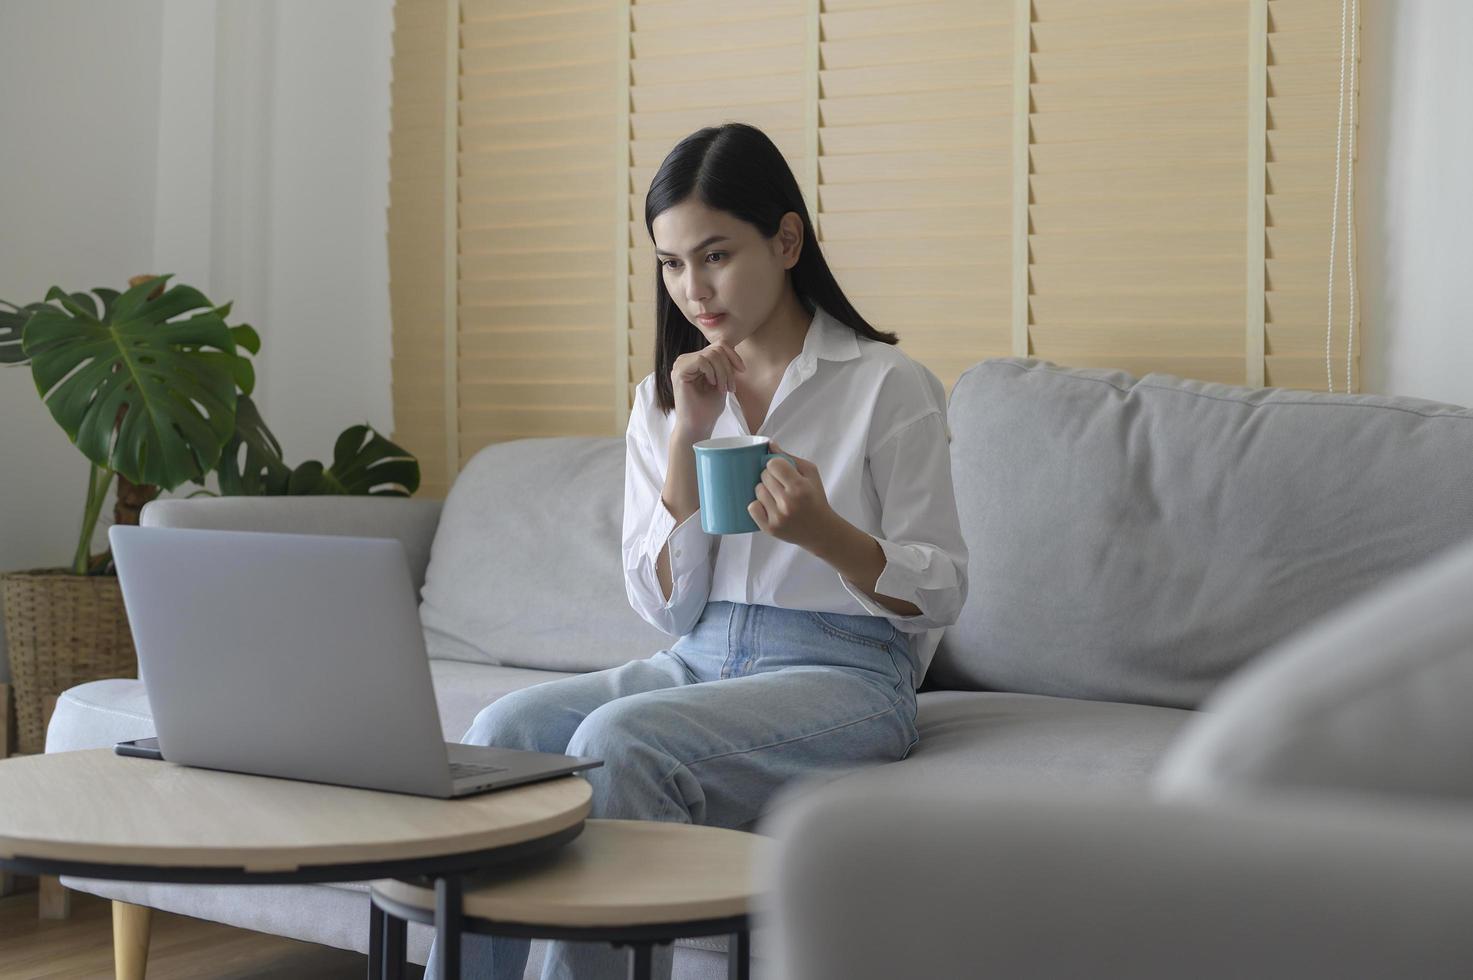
[[669, 263]]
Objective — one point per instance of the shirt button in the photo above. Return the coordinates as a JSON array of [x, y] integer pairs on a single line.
[[677, 552]]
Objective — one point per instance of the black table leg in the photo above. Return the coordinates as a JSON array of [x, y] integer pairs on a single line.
[[641, 960], [739, 956], [375, 941], [448, 924], [396, 947], [387, 946]]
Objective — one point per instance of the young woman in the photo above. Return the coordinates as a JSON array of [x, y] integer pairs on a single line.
[[800, 646]]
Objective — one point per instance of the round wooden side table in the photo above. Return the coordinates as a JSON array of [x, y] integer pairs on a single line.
[[95, 814], [631, 883]]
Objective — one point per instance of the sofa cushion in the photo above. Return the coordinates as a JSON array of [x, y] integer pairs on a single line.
[[98, 714], [1001, 738], [996, 739], [463, 689], [525, 569], [1372, 699], [1140, 540], [101, 713]]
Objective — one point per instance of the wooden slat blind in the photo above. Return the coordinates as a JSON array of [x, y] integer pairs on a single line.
[[914, 196], [1302, 88], [418, 189], [1143, 185], [1172, 148], [537, 145], [694, 63], [1137, 184]]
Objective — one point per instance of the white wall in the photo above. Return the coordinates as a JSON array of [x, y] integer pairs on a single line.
[[241, 145], [326, 325], [1415, 200], [79, 85], [275, 122]]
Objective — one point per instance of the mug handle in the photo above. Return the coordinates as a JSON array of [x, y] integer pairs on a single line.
[[785, 456]]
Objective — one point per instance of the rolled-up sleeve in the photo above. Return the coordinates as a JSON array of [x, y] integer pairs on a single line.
[[925, 556], [648, 526]]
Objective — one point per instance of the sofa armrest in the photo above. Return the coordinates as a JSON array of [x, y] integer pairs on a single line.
[[875, 879], [411, 520]]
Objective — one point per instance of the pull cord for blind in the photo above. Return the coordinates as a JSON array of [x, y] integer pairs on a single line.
[[1349, 18]]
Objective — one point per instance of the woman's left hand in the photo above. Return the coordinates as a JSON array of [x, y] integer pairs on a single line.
[[791, 504]]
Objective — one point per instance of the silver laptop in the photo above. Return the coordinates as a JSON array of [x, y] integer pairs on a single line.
[[301, 656]]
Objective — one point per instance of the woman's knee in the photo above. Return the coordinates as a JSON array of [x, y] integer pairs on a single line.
[[623, 725], [516, 721]]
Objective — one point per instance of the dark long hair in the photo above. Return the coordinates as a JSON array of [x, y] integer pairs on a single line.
[[736, 168]]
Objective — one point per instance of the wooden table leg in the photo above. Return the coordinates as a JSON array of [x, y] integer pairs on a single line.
[[130, 940], [55, 899]]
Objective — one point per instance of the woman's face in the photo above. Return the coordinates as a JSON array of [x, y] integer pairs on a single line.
[[714, 262]]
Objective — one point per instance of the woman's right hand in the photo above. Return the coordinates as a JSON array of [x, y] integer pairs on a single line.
[[701, 380]]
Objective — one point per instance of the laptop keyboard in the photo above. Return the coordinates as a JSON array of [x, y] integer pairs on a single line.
[[460, 770]]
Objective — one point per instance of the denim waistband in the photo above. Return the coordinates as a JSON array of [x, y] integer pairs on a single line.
[[748, 638]]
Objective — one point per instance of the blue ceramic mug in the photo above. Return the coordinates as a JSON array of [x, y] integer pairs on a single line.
[[727, 473]]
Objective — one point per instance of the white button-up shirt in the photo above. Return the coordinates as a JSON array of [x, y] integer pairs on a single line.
[[874, 423]]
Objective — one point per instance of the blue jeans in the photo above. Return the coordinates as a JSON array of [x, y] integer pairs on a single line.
[[706, 732]]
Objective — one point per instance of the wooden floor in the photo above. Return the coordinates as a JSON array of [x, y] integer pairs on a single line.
[[181, 947]]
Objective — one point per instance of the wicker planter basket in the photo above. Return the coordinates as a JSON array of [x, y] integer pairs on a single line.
[[62, 630]]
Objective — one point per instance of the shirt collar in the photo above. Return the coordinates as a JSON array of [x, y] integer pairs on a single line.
[[829, 339]]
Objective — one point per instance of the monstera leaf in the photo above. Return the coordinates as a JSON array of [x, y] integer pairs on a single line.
[[167, 386], [264, 471], [376, 467], [12, 321], [363, 462]]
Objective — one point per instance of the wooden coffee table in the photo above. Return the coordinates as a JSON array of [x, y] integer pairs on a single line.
[[631, 883], [95, 814]]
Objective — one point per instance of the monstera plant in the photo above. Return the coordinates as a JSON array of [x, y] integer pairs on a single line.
[[155, 389]]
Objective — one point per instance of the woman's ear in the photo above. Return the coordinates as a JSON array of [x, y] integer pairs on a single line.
[[790, 238]]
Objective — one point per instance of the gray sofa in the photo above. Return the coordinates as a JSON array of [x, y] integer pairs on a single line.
[[1315, 822], [1134, 544]]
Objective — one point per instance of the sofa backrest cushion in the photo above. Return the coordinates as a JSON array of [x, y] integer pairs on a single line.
[[525, 568], [1140, 540], [1372, 699]]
